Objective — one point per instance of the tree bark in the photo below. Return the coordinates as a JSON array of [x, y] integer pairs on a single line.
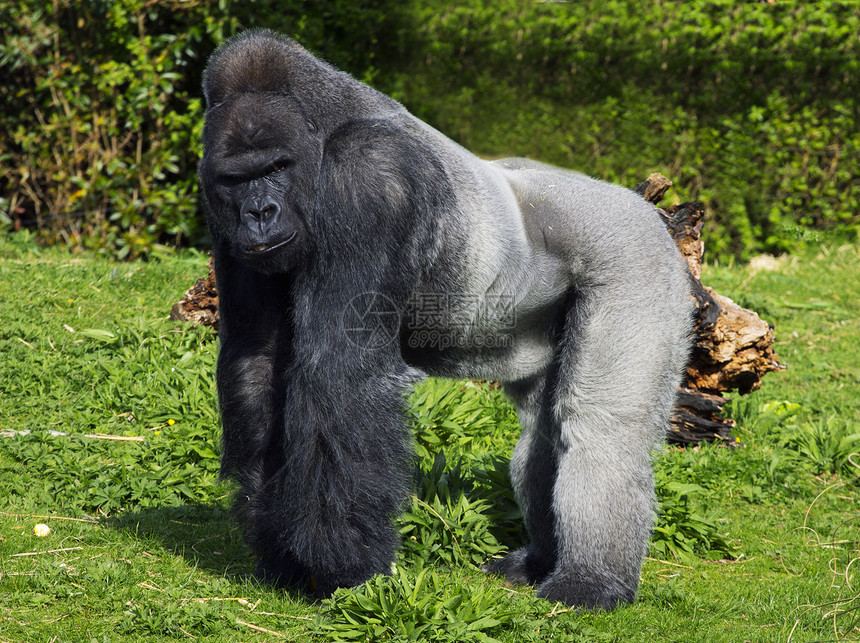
[[733, 346]]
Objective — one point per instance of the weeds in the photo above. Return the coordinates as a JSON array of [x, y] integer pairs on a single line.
[[757, 543], [420, 605], [685, 532], [825, 445], [446, 522]]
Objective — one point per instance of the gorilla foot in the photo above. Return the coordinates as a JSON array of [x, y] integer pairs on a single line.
[[587, 591], [285, 572], [520, 567], [288, 573]]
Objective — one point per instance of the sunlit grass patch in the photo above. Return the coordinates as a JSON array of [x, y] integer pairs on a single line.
[[111, 440]]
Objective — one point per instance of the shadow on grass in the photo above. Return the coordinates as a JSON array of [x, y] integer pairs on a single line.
[[209, 537], [206, 535]]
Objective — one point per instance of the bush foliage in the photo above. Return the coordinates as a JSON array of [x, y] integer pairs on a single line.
[[100, 134], [750, 107]]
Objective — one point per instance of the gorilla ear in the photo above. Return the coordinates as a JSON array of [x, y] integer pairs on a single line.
[[312, 128]]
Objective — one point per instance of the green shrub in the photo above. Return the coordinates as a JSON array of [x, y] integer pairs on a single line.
[[100, 131], [413, 605], [444, 522], [749, 107], [684, 532]]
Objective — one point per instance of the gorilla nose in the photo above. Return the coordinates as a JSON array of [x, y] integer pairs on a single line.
[[259, 210]]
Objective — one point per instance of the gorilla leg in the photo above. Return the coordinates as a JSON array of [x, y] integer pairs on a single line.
[[255, 351], [615, 390], [533, 472], [603, 507], [587, 507], [582, 468]]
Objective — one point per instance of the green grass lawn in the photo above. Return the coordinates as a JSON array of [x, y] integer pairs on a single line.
[[757, 543]]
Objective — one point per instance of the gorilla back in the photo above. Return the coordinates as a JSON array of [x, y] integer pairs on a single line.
[[357, 248]]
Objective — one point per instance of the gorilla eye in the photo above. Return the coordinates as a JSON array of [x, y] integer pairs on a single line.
[[278, 166], [228, 180]]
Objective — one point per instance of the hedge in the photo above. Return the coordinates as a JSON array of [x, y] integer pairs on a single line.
[[751, 108], [100, 135]]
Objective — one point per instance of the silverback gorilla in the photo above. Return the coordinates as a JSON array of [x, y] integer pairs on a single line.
[[344, 230]]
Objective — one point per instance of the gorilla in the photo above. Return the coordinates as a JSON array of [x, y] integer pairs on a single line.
[[358, 249]]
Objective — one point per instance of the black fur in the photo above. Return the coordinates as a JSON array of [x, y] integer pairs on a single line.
[[321, 192]]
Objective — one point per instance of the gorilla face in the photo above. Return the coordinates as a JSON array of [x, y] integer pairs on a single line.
[[258, 173]]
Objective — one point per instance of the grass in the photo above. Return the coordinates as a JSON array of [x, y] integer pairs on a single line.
[[758, 543]]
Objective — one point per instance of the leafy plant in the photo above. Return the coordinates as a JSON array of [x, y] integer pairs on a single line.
[[444, 522], [826, 445], [492, 482], [415, 605], [744, 115], [448, 413], [765, 419], [683, 531]]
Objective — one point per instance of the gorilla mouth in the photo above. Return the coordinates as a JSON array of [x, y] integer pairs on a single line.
[[263, 248]]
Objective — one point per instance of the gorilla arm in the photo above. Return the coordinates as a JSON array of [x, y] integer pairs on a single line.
[[346, 446], [255, 343]]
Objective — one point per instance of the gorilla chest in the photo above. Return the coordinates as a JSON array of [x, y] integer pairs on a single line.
[[500, 319]]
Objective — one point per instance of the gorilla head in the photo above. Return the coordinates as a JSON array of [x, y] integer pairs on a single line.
[[270, 107], [258, 177]]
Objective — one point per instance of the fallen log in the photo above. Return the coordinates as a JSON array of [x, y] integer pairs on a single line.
[[200, 302], [733, 346]]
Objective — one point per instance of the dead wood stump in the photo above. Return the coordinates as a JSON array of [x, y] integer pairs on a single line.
[[733, 346], [200, 302]]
